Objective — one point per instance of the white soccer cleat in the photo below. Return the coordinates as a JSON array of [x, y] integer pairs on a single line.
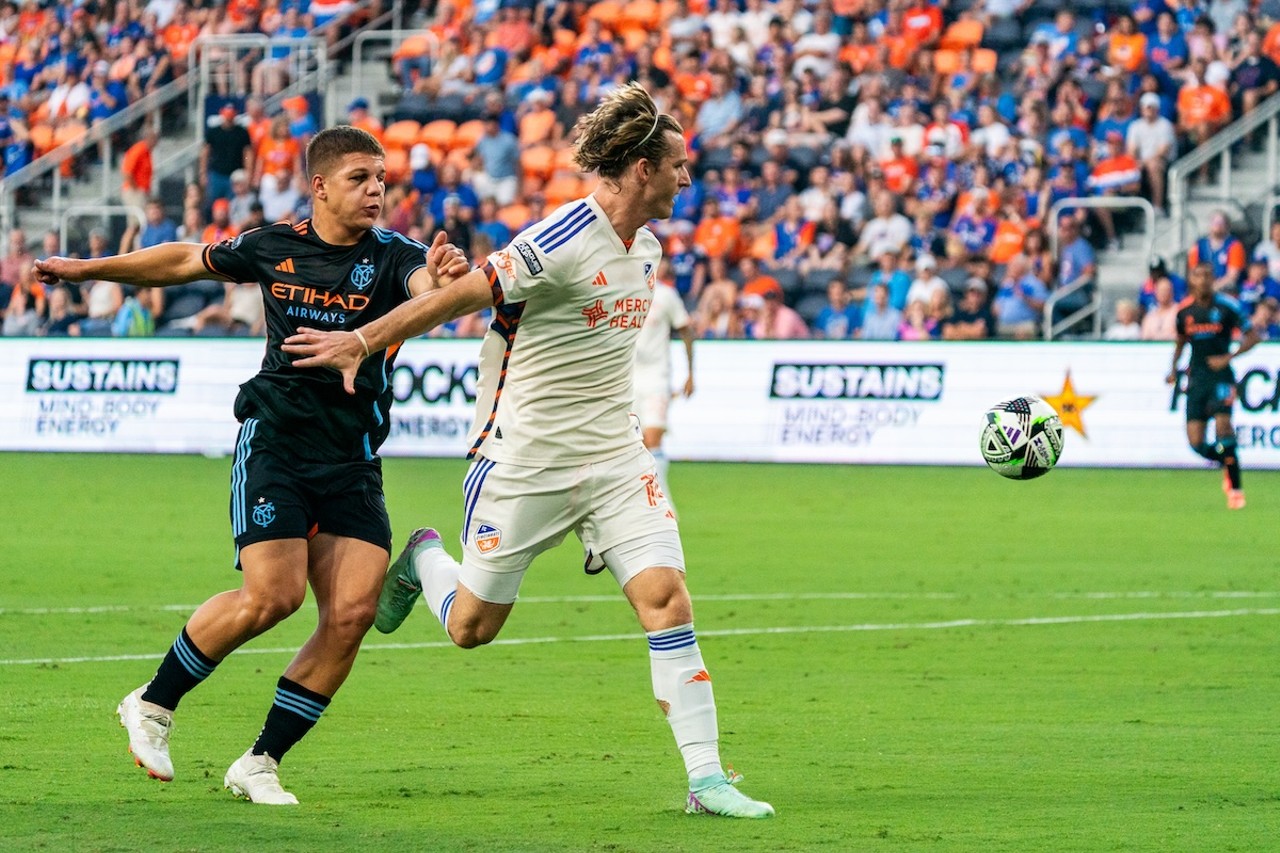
[[257, 779], [717, 795], [149, 727]]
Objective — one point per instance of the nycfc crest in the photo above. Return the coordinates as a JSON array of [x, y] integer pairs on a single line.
[[362, 274], [264, 513]]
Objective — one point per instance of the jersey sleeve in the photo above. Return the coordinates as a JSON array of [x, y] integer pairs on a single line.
[[233, 259], [524, 268], [407, 257]]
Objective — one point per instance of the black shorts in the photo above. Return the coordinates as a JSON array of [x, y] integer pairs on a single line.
[[276, 495], [1208, 396]]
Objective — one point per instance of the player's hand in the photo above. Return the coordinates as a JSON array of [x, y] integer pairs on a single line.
[[340, 350], [446, 263], [1218, 362], [688, 387], [1172, 378], [52, 270]]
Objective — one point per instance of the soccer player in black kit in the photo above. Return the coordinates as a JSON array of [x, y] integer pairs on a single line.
[[1208, 321], [306, 484]]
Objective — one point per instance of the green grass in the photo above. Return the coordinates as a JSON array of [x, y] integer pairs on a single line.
[[934, 687]]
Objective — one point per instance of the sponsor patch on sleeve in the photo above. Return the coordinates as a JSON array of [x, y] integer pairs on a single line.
[[530, 257]]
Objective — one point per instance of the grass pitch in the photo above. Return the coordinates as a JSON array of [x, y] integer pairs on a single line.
[[904, 659]]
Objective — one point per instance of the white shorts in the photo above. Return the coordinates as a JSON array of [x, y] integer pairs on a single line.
[[512, 513], [651, 408]]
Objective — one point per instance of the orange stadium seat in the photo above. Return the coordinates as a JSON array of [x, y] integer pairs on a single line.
[[607, 13], [962, 34], [397, 163], [515, 216], [538, 161], [946, 62], [413, 47], [402, 134], [468, 134], [438, 134], [641, 14], [459, 158], [561, 189], [984, 61], [633, 38], [564, 160]]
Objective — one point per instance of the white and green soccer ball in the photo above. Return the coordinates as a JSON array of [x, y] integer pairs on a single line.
[[1021, 438]]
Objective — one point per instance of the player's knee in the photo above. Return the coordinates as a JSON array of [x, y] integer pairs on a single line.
[[354, 620], [272, 608], [469, 635]]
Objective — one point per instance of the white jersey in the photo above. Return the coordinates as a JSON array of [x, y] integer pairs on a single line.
[[653, 347], [555, 386]]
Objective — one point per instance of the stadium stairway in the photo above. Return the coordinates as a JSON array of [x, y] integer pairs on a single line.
[[1122, 271]]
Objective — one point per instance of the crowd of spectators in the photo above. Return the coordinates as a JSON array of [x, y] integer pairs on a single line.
[[875, 169]]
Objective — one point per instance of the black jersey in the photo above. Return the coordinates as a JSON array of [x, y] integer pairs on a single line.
[[308, 282], [1209, 329]]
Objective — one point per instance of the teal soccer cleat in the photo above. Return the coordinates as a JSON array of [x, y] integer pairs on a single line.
[[401, 587], [716, 795]]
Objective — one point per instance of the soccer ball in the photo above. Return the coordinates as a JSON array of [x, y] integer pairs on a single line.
[[1021, 438]]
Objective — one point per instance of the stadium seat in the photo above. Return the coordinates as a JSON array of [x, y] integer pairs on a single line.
[[561, 189], [641, 15], [468, 134], [402, 134], [984, 61], [810, 306], [946, 61], [397, 164], [1005, 35], [816, 281], [608, 13], [538, 162], [787, 278], [438, 134], [564, 161], [962, 34], [514, 216]]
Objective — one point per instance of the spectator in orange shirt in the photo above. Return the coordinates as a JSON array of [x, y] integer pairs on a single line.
[[221, 227], [717, 235], [1203, 106], [1126, 47], [358, 115], [899, 170], [136, 169], [279, 155]]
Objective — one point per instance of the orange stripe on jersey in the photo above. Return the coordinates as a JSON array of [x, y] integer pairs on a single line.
[[315, 528], [207, 258], [302, 227], [391, 351], [491, 275], [497, 394]]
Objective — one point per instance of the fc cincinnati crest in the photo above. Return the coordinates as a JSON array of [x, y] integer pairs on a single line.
[[264, 512], [487, 538], [648, 274], [362, 274]]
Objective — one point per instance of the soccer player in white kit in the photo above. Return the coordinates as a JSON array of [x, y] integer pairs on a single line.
[[653, 372], [554, 447]]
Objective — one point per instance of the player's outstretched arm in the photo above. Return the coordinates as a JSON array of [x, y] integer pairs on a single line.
[[344, 351], [446, 263], [157, 266]]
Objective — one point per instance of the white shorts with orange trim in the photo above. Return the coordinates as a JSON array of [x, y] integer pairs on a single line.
[[512, 513]]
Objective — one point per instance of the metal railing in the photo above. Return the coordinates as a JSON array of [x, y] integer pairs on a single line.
[[100, 135], [1220, 148], [395, 38], [102, 211], [1059, 295]]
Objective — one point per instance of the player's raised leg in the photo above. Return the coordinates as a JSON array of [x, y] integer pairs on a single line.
[[1227, 449], [681, 683], [274, 587], [345, 574]]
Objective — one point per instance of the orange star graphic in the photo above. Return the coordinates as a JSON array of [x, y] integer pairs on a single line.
[[1070, 405]]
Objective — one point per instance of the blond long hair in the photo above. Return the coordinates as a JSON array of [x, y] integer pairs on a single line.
[[626, 127]]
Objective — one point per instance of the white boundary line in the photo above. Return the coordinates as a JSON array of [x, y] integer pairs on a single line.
[[770, 596], [733, 632]]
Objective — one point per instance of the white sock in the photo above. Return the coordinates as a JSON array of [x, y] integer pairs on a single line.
[[438, 574], [683, 690], [660, 465]]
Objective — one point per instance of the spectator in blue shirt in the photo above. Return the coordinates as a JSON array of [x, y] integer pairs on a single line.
[[1257, 285], [840, 319], [1159, 270], [897, 280], [498, 153], [1019, 303], [159, 228]]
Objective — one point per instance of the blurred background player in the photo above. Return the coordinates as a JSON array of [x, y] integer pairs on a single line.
[[555, 447], [306, 489], [1208, 322], [653, 370]]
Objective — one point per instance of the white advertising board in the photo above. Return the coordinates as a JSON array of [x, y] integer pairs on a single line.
[[910, 403]]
